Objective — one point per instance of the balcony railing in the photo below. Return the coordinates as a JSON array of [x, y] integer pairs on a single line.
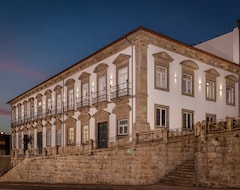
[[120, 90], [100, 96]]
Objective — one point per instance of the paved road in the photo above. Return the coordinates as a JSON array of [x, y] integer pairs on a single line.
[[34, 186]]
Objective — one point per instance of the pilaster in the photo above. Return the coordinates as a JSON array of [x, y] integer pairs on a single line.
[[141, 95]]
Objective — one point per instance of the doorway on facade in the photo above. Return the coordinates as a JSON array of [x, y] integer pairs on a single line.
[[25, 143], [102, 135], [39, 142]]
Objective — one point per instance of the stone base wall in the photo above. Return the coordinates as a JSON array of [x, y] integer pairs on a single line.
[[135, 164], [218, 160]]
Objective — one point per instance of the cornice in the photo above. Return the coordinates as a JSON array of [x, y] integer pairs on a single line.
[[139, 36]]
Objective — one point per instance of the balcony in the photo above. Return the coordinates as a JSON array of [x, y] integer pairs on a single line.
[[100, 96], [120, 90]]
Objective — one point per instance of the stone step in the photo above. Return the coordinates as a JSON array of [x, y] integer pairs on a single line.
[[183, 175]]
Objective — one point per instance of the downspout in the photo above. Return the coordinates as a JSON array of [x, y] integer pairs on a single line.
[[238, 25], [132, 79]]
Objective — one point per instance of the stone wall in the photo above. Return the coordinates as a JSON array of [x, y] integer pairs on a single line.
[[218, 159], [137, 164]]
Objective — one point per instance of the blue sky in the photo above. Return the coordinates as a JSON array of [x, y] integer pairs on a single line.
[[39, 38]]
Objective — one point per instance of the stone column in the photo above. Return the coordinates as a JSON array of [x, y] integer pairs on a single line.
[[141, 122], [238, 25]]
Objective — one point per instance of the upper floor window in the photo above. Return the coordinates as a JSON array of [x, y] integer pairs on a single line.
[[211, 80], [230, 89], [85, 94], [161, 116], [210, 90], [161, 77], [161, 70], [122, 79], [102, 91], [188, 68], [84, 77], [70, 98], [187, 121], [187, 84]]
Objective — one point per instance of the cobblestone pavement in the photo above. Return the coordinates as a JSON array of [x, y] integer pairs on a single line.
[[34, 186]]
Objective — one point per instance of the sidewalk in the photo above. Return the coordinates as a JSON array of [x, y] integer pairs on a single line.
[[38, 186]]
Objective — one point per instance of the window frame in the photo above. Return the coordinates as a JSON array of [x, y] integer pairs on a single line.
[[184, 124], [48, 137], [185, 92], [119, 126], [232, 86], [71, 135], [83, 135], [161, 107], [211, 89]]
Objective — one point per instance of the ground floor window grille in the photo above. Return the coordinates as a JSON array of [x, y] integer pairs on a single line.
[[59, 137], [48, 138]]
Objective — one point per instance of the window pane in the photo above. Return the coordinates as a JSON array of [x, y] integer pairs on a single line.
[[161, 77], [122, 127]]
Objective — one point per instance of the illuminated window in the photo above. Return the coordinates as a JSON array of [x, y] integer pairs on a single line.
[[85, 134], [210, 90], [187, 81], [71, 139]]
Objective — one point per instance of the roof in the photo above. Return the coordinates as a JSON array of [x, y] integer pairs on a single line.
[[126, 41]]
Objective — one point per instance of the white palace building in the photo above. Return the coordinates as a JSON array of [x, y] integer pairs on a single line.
[[143, 81]]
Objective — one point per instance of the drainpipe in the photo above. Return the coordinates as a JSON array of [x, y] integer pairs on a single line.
[[238, 25], [132, 76]]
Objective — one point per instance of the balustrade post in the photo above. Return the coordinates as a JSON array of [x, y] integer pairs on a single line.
[[229, 124]]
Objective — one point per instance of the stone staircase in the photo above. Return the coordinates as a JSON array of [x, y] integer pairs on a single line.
[[183, 175], [5, 164]]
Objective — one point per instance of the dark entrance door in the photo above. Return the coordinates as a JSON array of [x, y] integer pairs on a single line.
[[102, 141], [25, 143], [39, 142]]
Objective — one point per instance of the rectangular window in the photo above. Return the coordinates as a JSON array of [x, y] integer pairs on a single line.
[[161, 77], [32, 111], [122, 81], [210, 90], [49, 105], [70, 98], [59, 103], [123, 127], [161, 116], [187, 120], [210, 117], [230, 95], [59, 137], [39, 109], [102, 88], [85, 94], [70, 136], [187, 84], [48, 137], [85, 134], [19, 141]]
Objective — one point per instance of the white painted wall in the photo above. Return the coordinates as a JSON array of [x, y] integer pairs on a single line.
[[225, 46], [176, 101]]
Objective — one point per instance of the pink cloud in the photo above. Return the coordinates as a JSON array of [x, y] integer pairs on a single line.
[[5, 112], [21, 70]]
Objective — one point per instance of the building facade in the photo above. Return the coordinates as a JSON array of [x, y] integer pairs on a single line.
[[142, 81]]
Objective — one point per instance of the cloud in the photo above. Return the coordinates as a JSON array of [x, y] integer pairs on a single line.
[[5, 112], [21, 70]]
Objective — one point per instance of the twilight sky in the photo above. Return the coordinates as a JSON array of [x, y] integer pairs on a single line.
[[40, 38]]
